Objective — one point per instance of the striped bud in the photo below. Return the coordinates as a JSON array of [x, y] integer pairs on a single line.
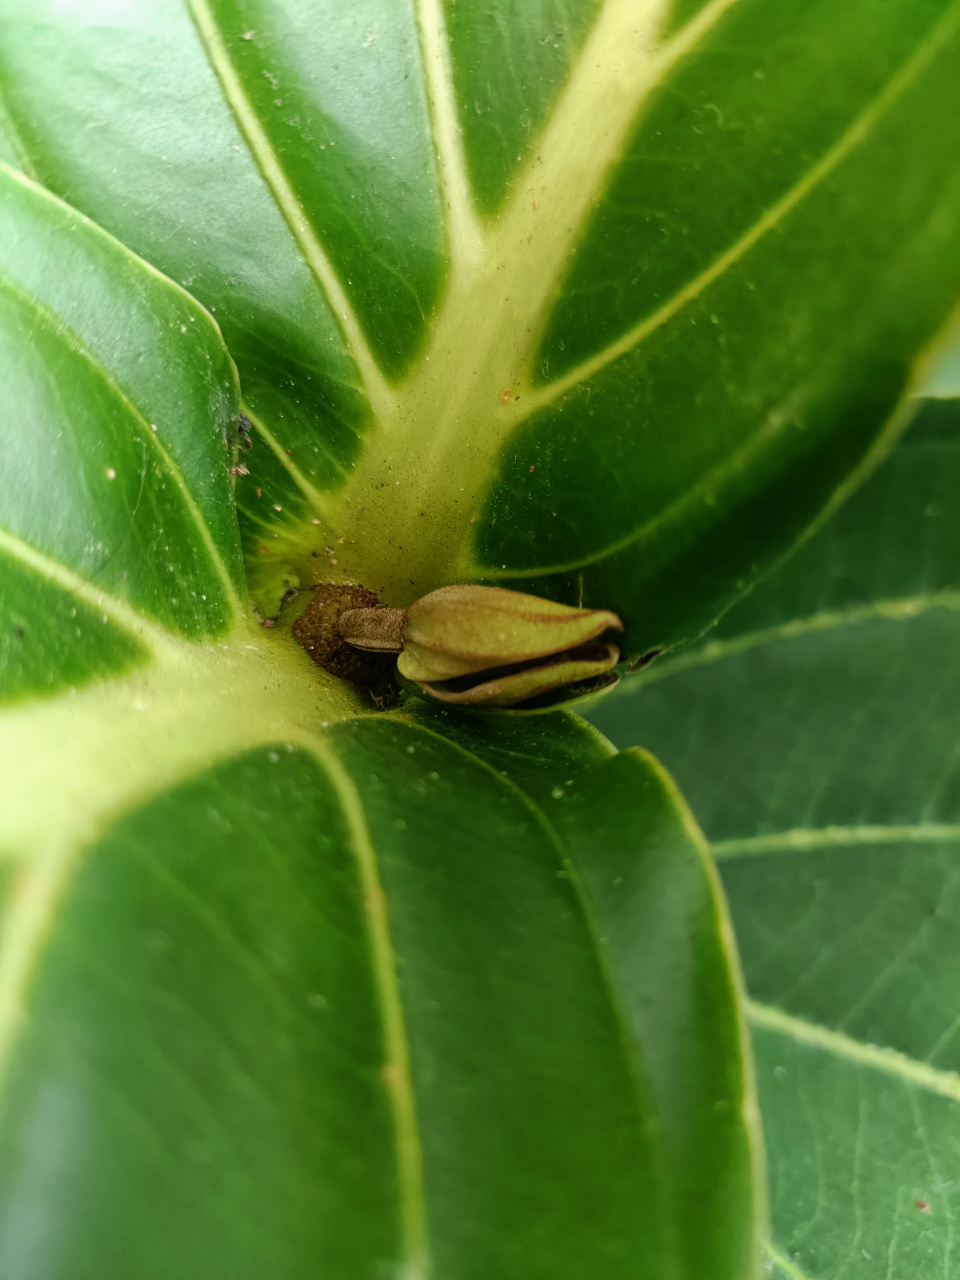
[[484, 646]]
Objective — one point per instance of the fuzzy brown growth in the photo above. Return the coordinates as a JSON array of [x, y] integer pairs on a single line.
[[318, 630]]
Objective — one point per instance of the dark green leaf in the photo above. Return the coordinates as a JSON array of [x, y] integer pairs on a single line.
[[817, 738], [116, 476], [288, 987], [601, 300], [661, 918]]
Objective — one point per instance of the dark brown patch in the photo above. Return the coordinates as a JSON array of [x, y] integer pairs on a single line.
[[318, 630]]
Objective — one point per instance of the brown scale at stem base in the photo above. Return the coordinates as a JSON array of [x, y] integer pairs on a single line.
[[318, 630]]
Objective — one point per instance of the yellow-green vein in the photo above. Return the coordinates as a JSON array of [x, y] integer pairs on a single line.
[[889, 1061], [313, 495], [378, 393], [36, 891], [396, 1072], [718, 650], [463, 227], [805, 840], [620, 66], [785, 1264], [852, 137], [118, 611], [149, 437], [751, 1102], [75, 763]]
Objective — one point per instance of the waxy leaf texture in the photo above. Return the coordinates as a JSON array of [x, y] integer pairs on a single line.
[[601, 301], [287, 985], [816, 736], [608, 301]]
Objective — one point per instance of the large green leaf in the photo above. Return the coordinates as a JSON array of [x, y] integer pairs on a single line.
[[816, 735], [289, 987], [602, 299]]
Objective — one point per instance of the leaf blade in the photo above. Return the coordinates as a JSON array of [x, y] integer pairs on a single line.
[[833, 817], [615, 498]]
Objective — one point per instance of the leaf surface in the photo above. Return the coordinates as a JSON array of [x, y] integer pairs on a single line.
[[816, 735], [288, 986], [575, 298]]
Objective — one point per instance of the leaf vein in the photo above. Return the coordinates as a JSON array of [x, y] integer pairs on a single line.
[[74, 343], [397, 1066], [806, 839], [463, 227], [8, 126], [895, 610], [313, 495], [286, 200], [52, 571], [891, 1062], [786, 1264], [852, 137]]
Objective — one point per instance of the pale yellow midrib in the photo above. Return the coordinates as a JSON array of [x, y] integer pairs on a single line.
[[621, 65], [891, 1062], [463, 226], [377, 391], [68, 759], [447, 421], [774, 216], [467, 427], [73, 764], [492, 321], [397, 1078]]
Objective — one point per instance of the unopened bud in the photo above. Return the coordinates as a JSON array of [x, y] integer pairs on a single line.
[[484, 646]]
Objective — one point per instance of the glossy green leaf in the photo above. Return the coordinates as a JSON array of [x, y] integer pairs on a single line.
[[655, 904], [288, 986], [816, 736], [581, 298]]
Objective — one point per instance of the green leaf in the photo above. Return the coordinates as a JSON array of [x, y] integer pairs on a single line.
[[581, 298], [816, 736], [655, 903], [287, 986], [116, 488]]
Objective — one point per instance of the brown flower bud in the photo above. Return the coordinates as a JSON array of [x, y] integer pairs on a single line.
[[484, 646]]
